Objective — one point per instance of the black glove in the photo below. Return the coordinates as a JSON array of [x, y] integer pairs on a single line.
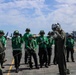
[[32, 51], [44, 42], [20, 35], [52, 33]]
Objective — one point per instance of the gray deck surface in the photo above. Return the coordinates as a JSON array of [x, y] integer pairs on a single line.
[[24, 69]]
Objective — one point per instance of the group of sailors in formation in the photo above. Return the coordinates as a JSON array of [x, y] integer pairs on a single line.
[[43, 44]]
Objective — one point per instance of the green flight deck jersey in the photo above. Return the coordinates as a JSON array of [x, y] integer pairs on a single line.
[[3, 41], [70, 42], [17, 43], [32, 45], [42, 41], [50, 42], [25, 37], [2, 44]]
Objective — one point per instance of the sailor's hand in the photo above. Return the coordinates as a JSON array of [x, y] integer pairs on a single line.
[[56, 32], [44, 42]]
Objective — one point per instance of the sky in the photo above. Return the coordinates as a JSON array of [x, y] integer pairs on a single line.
[[37, 15]]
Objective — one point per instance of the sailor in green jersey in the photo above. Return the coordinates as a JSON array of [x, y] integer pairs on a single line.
[[70, 47], [42, 42], [17, 49], [25, 37], [32, 51], [49, 47], [2, 48]]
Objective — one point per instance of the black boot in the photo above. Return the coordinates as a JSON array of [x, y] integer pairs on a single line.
[[67, 60], [46, 65], [67, 71], [49, 64], [73, 61], [37, 67], [17, 70], [2, 65], [1, 73], [31, 66], [5, 60]]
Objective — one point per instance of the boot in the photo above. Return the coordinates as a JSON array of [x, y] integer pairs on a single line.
[[37, 67], [31, 66], [2, 65], [17, 70], [46, 65], [49, 64], [73, 61], [5, 60], [67, 60], [67, 71]]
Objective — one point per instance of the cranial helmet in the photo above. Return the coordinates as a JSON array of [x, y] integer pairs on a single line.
[[58, 26], [49, 33], [42, 32], [27, 29], [1, 32], [54, 26], [16, 32]]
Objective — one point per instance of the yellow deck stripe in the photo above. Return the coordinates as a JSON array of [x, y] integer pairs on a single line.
[[10, 68]]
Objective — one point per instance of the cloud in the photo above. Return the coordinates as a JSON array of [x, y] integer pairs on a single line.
[[37, 15], [64, 14], [20, 7], [1, 1], [67, 1]]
